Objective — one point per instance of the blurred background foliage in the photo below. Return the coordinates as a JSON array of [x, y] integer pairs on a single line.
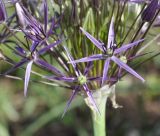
[[39, 114]]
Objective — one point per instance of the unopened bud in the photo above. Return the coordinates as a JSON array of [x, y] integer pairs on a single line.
[[20, 14], [3, 14], [150, 11]]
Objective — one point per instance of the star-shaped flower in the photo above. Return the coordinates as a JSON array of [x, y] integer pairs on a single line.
[[31, 57], [110, 53], [80, 81]]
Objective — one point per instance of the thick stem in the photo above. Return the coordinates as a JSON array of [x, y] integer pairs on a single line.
[[99, 124], [100, 97]]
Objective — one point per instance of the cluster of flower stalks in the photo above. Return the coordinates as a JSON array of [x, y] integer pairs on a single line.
[[81, 45]]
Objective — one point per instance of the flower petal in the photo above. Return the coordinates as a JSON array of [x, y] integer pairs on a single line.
[[43, 50], [27, 76], [127, 46], [90, 96], [17, 65], [54, 25], [48, 66], [75, 91], [88, 68], [66, 79], [94, 79], [34, 46], [20, 14], [111, 35], [126, 67], [93, 40], [90, 58], [105, 70], [45, 15], [20, 51], [3, 13], [72, 62]]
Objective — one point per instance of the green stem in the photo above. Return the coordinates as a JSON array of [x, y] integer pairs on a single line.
[[99, 124], [100, 97]]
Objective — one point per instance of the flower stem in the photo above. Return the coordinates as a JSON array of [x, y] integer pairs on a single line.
[[100, 97], [99, 120]]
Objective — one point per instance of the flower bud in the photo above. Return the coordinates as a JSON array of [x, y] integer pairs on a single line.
[[3, 14], [20, 14], [150, 11]]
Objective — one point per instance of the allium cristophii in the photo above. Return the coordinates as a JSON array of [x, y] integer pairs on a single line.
[[80, 81], [111, 53], [31, 57], [57, 44]]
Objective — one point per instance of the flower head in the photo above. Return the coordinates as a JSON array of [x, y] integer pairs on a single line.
[[80, 81], [32, 56], [111, 53]]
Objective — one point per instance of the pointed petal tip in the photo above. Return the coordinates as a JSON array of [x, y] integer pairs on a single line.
[[143, 81], [127, 68], [80, 28], [27, 76], [96, 42], [69, 101], [62, 116]]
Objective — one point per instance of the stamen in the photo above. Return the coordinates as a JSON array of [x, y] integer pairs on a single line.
[[123, 59]]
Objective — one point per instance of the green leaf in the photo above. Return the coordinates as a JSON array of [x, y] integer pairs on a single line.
[[89, 21]]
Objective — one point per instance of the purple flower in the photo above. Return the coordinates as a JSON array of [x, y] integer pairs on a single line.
[[30, 57], [34, 30], [3, 13], [80, 81], [111, 53]]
